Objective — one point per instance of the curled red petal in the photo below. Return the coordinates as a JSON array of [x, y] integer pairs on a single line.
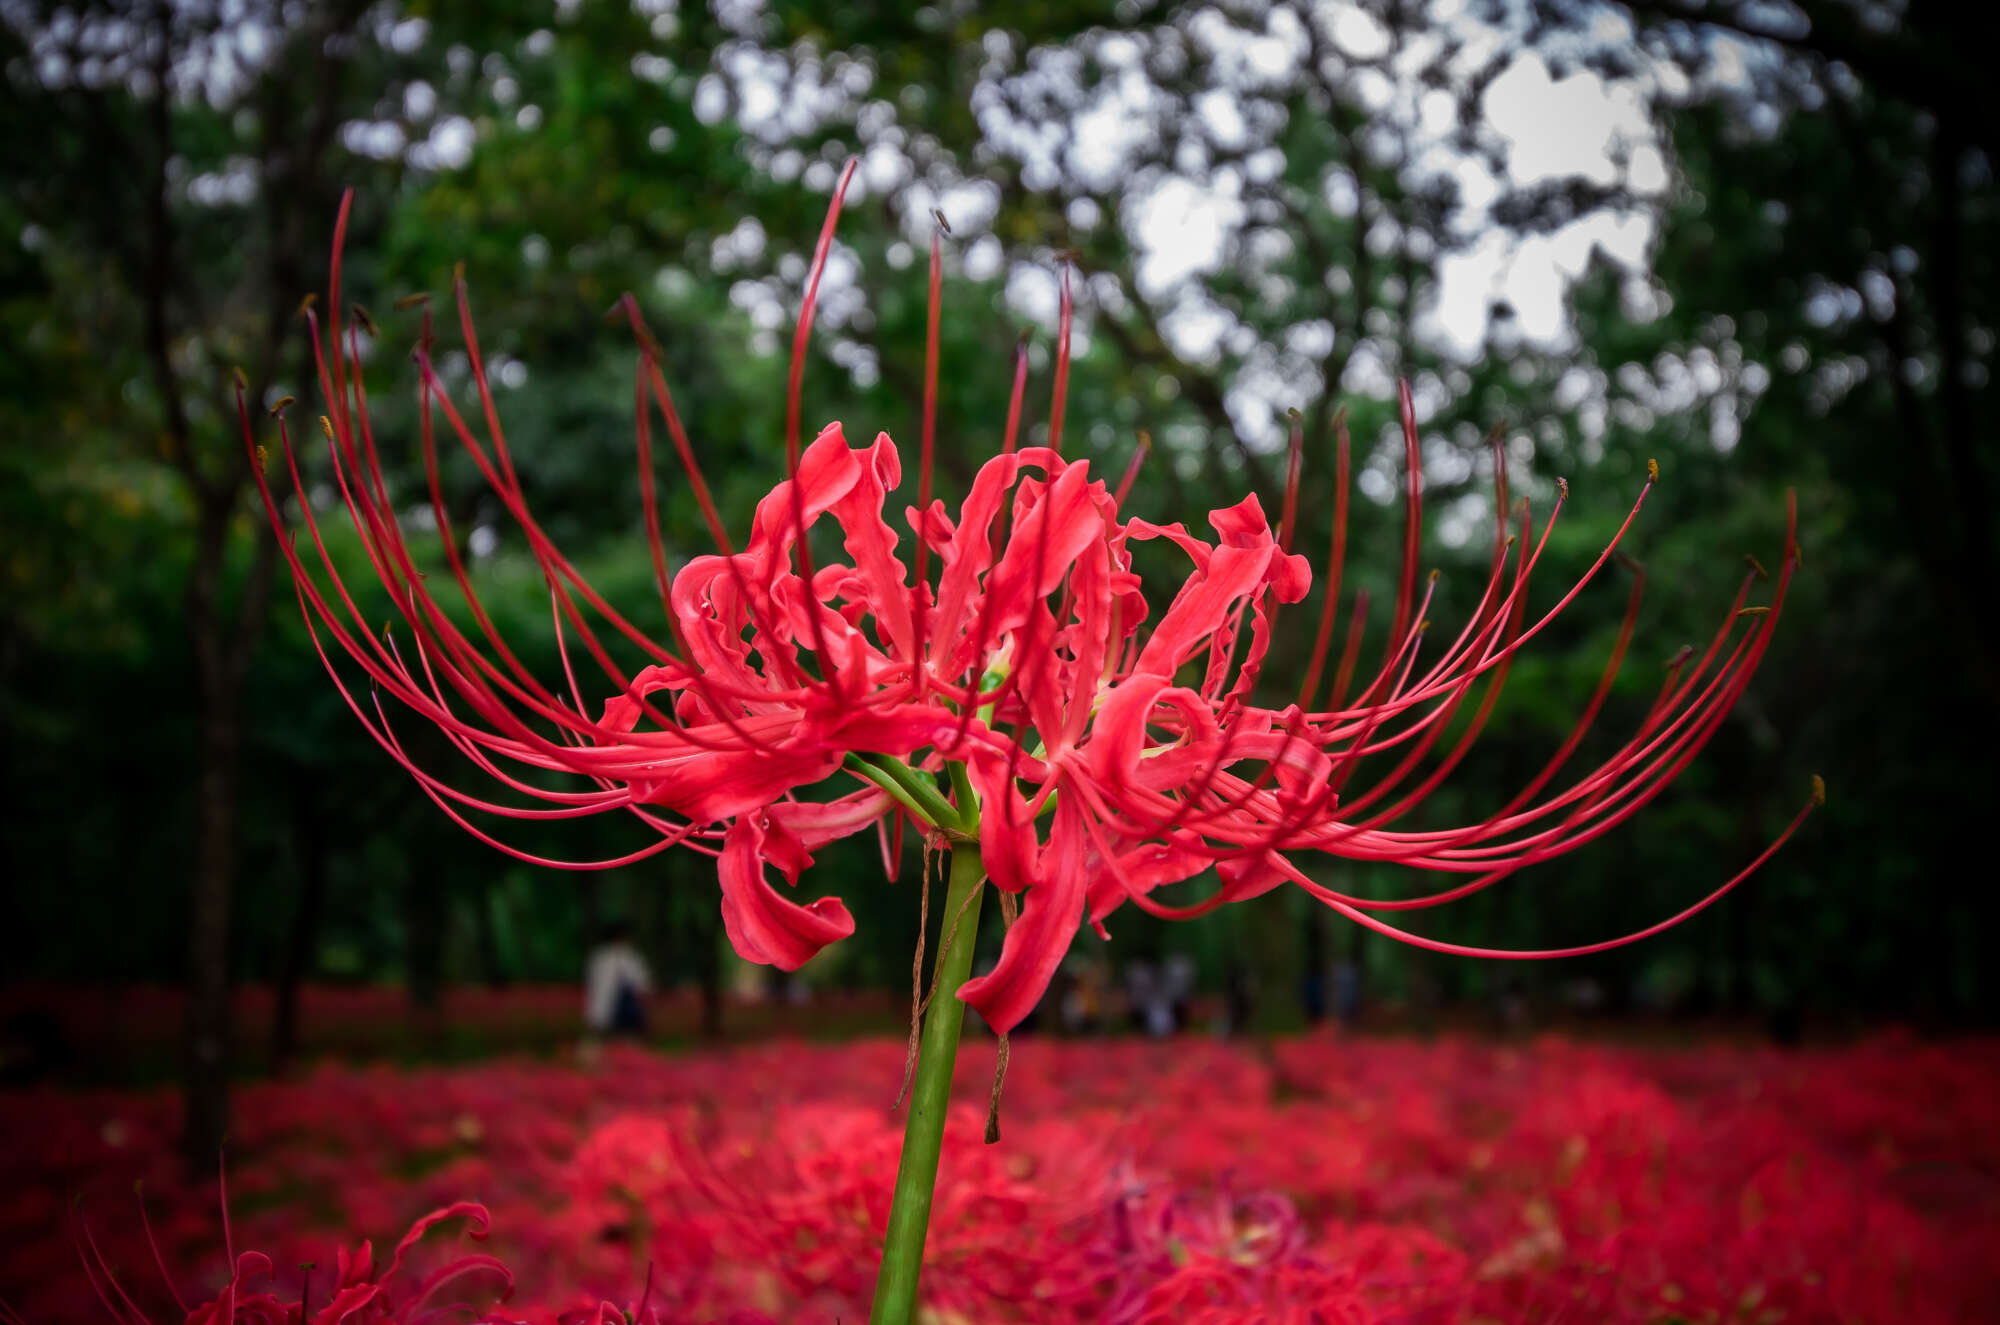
[[1007, 844], [346, 1303], [762, 926], [1037, 942], [481, 1225]]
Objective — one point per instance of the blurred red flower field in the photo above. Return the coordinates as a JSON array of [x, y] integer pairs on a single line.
[[1313, 1179]]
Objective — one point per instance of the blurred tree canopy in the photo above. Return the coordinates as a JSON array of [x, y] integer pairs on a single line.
[[1264, 207]]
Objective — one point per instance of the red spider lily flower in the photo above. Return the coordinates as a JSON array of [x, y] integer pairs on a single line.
[[1022, 670], [354, 1294]]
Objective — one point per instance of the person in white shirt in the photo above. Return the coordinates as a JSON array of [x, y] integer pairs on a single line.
[[615, 983]]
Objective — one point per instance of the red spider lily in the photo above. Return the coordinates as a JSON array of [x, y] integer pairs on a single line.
[[1021, 669], [354, 1295], [1435, 1180]]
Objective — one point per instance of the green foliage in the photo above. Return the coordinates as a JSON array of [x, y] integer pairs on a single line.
[[687, 158]]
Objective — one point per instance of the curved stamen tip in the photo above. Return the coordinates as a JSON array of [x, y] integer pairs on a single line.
[[649, 345], [1295, 414], [283, 401], [1818, 791], [263, 459], [411, 301], [365, 322], [242, 382], [1756, 566], [1652, 471], [1752, 611], [1681, 656], [1435, 572], [306, 304], [458, 275], [1562, 486], [937, 216], [326, 426], [1629, 562], [1027, 334]]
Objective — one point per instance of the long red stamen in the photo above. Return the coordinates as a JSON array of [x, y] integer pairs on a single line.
[[1139, 454], [801, 334], [1295, 449], [796, 381], [1350, 651], [932, 316], [1336, 559], [1010, 436], [1059, 398], [336, 399], [656, 378], [1413, 519], [649, 503], [222, 1200], [159, 1261]]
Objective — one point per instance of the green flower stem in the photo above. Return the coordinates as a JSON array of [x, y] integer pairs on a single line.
[[918, 792], [923, 1132], [961, 787]]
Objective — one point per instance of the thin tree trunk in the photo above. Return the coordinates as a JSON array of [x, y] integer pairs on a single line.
[[208, 1001], [309, 842], [222, 641], [424, 918], [425, 911], [1314, 991], [492, 969], [591, 885]]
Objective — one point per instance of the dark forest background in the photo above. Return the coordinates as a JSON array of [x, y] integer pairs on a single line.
[[186, 799]]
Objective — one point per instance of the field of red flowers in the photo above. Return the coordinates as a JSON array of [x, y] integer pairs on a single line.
[[1314, 1179]]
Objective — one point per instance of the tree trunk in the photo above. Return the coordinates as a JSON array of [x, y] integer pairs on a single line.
[[309, 843], [222, 641], [591, 886], [1317, 963], [425, 911], [423, 944], [208, 1002], [492, 969]]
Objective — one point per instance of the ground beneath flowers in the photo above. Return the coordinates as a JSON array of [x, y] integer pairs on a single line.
[[1313, 1179]]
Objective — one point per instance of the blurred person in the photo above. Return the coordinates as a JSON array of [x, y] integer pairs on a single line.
[[1512, 1011], [1239, 995], [1312, 993], [1179, 987], [1151, 999], [615, 984], [1083, 1003], [1585, 997], [1347, 990], [1140, 994]]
